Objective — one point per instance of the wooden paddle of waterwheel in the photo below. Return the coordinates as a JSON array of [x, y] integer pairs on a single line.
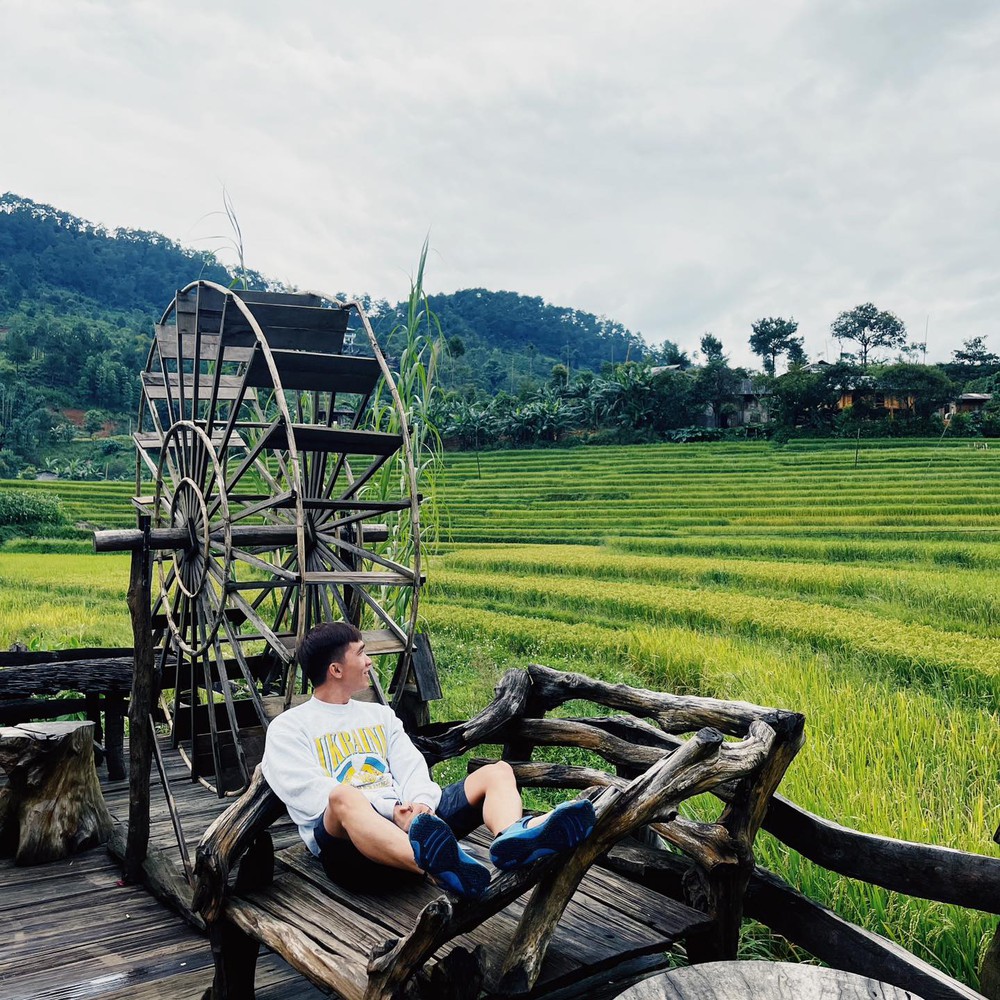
[[275, 504]]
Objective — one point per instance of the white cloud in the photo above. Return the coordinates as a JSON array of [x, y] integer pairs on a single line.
[[679, 167]]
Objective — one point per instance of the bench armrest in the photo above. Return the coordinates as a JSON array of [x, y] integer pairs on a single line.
[[227, 840]]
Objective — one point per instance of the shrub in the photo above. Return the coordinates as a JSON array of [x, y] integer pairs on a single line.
[[93, 421], [10, 464], [19, 507]]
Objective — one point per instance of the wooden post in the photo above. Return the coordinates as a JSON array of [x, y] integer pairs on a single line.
[[114, 736], [989, 971], [92, 709], [141, 704]]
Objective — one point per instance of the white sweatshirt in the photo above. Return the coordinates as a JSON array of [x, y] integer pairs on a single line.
[[311, 748]]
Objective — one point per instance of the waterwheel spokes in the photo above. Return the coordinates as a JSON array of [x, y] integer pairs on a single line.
[[254, 429]]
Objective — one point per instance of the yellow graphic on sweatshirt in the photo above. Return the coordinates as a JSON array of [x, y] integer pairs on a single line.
[[355, 757], [360, 772]]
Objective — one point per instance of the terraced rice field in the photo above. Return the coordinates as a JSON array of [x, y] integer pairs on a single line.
[[867, 597], [865, 594]]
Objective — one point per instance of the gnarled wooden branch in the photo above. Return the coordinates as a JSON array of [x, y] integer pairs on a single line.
[[675, 713], [577, 733], [708, 843], [395, 965], [512, 696], [227, 839], [696, 766]]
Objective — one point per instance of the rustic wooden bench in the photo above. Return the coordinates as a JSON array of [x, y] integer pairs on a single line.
[[584, 930]]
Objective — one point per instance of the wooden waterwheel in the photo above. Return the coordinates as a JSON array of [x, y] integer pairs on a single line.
[[279, 499]]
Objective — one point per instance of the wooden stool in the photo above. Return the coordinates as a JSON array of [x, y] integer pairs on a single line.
[[761, 981], [52, 806]]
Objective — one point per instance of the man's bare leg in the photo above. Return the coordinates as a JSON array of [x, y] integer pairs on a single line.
[[517, 841], [349, 814], [493, 787], [429, 845]]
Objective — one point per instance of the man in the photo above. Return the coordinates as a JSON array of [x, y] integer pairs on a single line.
[[362, 796]]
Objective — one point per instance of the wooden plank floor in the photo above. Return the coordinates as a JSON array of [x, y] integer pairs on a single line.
[[71, 931]]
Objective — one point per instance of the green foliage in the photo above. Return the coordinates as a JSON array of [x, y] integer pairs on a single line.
[[43, 247], [419, 343], [10, 464], [24, 422], [669, 354], [509, 340], [973, 352], [21, 507], [926, 385], [711, 348], [863, 596], [870, 328], [859, 590], [93, 421], [718, 387], [773, 336]]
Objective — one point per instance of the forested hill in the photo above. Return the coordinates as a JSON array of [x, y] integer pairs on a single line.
[[77, 302], [43, 250], [530, 325]]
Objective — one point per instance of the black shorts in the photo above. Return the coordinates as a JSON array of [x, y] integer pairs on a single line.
[[347, 866]]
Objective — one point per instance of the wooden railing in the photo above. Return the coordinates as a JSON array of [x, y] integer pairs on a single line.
[[710, 874]]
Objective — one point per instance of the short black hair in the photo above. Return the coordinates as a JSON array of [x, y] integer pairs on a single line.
[[323, 645]]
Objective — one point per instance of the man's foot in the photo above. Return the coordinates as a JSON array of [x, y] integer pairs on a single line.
[[566, 826], [438, 853]]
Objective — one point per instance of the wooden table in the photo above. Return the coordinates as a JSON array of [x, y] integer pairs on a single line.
[[762, 981]]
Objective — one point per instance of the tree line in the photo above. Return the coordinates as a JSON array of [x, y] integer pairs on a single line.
[[78, 303], [862, 392]]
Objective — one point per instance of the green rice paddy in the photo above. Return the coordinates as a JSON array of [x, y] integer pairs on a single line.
[[861, 590]]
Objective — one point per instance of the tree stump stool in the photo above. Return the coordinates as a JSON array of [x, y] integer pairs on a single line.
[[52, 805]]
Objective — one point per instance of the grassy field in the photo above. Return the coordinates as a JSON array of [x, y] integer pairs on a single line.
[[862, 590]]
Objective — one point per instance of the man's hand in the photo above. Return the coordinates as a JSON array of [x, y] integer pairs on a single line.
[[403, 813]]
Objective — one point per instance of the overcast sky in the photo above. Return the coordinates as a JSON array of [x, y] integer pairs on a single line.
[[679, 167]]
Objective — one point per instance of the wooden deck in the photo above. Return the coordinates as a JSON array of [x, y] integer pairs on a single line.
[[71, 931]]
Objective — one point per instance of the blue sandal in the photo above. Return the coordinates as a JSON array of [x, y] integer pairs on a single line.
[[566, 826], [438, 853]]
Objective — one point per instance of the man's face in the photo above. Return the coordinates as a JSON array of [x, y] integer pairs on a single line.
[[355, 665]]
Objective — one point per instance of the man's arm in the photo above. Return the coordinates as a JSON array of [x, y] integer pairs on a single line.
[[409, 769], [294, 772]]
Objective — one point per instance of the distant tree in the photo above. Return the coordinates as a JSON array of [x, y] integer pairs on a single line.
[[870, 328], [716, 385], [559, 376], [24, 421], [973, 352], [771, 337], [802, 398], [18, 348], [455, 346], [672, 403], [796, 353], [711, 348], [93, 421], [926, 385], [670, 354]]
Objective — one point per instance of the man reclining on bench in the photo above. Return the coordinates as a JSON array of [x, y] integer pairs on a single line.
[[363, 798]]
